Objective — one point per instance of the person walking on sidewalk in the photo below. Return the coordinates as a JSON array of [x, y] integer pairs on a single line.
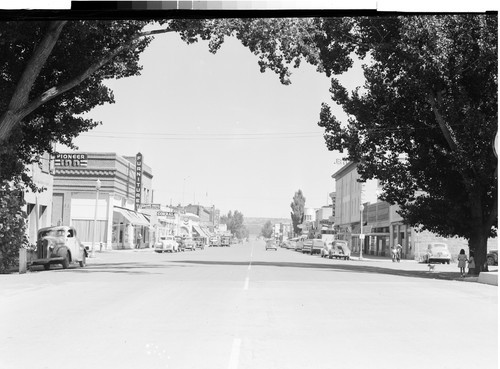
[[139, 238], [462, 259], [472, 264]]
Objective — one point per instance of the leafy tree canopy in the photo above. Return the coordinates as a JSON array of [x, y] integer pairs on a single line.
[[267, 230], [235, 224], [431, 97]]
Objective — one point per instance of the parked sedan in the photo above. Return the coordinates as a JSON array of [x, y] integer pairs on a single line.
[[189, 244], [437, 252], [325, 250], [340, 250], [492, 257], [271, 245], [166, 244]]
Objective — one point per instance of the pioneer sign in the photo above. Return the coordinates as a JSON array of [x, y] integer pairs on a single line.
[[70, 160]]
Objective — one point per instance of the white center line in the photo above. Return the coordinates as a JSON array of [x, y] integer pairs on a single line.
[[235, 354]]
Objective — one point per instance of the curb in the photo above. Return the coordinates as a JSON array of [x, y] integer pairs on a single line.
[[488, 278]]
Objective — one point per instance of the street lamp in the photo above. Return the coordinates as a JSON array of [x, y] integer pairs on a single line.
[[97, 187], [361, 235]]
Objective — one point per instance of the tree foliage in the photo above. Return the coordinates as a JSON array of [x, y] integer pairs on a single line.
[[430, 96], [297, 213], [235, 224], [267, 230], [12, 224]]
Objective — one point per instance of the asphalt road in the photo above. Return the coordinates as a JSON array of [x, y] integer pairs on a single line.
[[244, 307]]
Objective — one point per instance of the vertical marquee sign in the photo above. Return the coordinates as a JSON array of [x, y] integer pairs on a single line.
[[138, 180]]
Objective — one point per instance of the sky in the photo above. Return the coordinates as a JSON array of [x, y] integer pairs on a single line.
[[217, 131]]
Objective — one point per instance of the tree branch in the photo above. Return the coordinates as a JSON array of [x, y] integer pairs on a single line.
[[442, 124], [19, 99], [51, 93]]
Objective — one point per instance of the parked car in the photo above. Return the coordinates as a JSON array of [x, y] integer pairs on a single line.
[[199, 243], [293, 243], [340, 250], [437, 252], [58, 245], [492, 257], [180, 242], [325, 250], [166, 244], [271, 245], [300, 243], [214, 241], [189, 244], [312, 246]]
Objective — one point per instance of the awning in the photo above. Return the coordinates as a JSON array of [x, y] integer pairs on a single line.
[[197, 229], [132, 216]]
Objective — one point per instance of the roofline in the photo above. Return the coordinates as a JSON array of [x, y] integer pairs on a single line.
[[344, 169]]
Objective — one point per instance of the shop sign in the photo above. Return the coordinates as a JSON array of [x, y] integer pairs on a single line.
[[70, 160], [168, 214], [150, 206], [138, 180]]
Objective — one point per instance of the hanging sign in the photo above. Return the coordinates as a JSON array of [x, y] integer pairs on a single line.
[[138, 180]]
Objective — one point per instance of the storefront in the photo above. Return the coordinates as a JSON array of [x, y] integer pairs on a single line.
[[130, 229], [97, 193]]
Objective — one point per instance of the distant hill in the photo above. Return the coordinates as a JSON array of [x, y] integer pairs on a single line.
[[254, 225]]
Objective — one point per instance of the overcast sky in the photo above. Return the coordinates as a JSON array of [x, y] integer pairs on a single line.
[[217, 131]]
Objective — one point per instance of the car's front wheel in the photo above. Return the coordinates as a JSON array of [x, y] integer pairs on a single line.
[[83, 262], [65, 262]]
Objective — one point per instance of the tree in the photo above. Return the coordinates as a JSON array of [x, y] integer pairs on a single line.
[[235, 224], [12, 224], [52, 72], [267, 230], [430, 97], [297, 214]]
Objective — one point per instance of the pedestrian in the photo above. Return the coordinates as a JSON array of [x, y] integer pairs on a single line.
[[462, 259], [472, 264], [139, 238]]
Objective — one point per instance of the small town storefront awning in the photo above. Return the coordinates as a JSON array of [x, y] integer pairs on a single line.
[[132, 216], [198, 232]]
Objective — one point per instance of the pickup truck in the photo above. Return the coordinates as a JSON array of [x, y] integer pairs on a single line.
[[312, 246]]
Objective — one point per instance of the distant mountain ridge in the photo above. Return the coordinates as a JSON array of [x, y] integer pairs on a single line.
[[254, 225]]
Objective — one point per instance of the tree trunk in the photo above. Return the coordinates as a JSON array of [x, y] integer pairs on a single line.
[[478, 246]]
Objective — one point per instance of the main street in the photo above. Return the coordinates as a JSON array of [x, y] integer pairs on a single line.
[[245, 307]]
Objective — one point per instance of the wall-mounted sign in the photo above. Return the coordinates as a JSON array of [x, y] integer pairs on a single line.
[[150, 206], [168, 214], [70, 160], [138, 180]]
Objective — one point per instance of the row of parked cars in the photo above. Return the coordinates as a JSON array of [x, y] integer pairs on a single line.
[[338, 249], [176, 244]]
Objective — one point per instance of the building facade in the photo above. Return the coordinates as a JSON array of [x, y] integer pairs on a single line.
[[38, 205], [100, 195]]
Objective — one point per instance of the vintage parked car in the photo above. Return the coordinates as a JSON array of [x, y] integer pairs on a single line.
[[340, 250], [59, 245], [189, 244], [492, 257], [437, 252], [214, 241], [199, 243], [166, 244], [271, 245], [325, 250], [312, 246]]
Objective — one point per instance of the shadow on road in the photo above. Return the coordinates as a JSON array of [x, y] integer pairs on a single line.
[[356, 268]]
